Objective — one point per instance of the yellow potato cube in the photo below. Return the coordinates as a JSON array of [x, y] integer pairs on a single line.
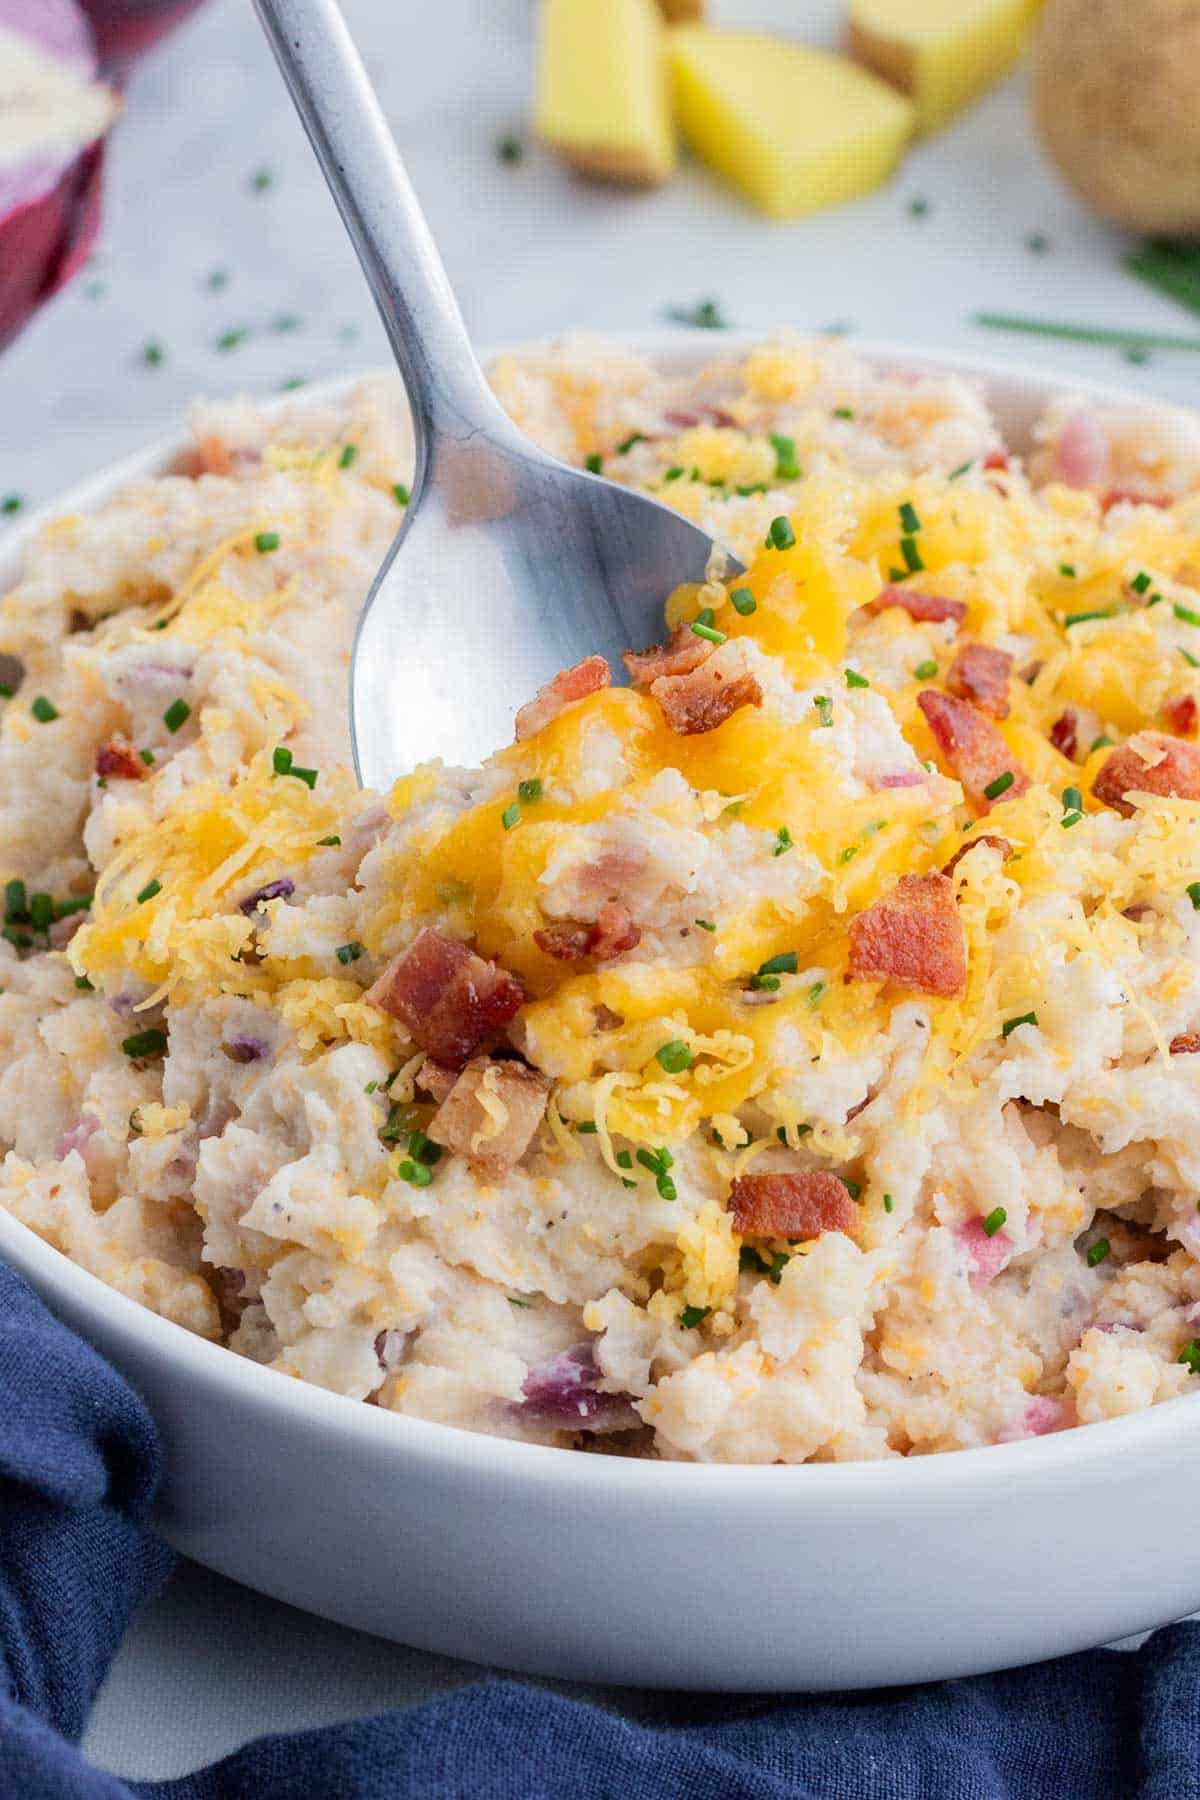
[[944, 53], [603, 98], [794, 128]]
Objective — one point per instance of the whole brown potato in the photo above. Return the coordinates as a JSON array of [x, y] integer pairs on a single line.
[[1116, 95]]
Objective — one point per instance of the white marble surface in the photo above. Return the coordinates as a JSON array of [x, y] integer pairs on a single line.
[[531, 252]]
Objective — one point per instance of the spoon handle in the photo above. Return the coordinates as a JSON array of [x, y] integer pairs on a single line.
[[446, 387]]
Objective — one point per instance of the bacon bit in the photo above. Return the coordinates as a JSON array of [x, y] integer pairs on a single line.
[[704, 699], [118, 760], [1176, 775], [449, 999], [1031, 671], [213, 457], [1129, 497], [1186, 1044], [1064, 733], [986, 1255], [613, 933], [1181, 715], [977, 754], [996, 460], [611, 872], [905, 778], [568, 686], [799, 1205], [685, 419], [912, 936], [928, 609], [987, 837], [491, 1114], [682, 653], [436, 1079], [981, 674]]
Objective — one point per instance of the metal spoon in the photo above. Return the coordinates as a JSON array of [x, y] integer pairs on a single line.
[[509, 565]]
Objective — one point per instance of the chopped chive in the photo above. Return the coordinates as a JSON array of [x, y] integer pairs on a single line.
[[148, 892], [1071, 819], [767, 984], [624, 1159], [81, 981], [307, 776], [848, 854], [824, 706], [783, 841], [41, 911], [530, 791], [708, 632], [153, 354], [331, 842], [1190, 1354], [1099, 1250], [706, 315], [509, 148], [400, 493], [66, 909], [370, 1087], [751, 487], [855, 680], [147, 757], [11, 503], [1085, 618], [888, 1203], [997, 1218], [230, 340], [962, 469], [1068, 570], [266, 541], [348, 953], [510, 816], [786, 963], [1010, 1025], [518, 1301], [145, 1043], [743, 602], [785, 457], [674, 1057], [417, 1174], [925, 671], [6, 692], [706, 924], [593, 463], [346, 459], [910, 518], [176, 714], [626, 444], [1193, 894], [1072, 800], [780, 536], [815, 994], [281, 760], [1103, 742], [587, 1128], [843, 412], [16, 904], [853, 1188], [673, 473], [1193, 662], [913, 560], [1001, 785], [918, 207], [43, 711], [260, 181], [1140, 583], [1186, 613], [691, 1316]]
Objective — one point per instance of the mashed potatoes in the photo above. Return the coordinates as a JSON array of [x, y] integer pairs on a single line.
[[793, 1055]]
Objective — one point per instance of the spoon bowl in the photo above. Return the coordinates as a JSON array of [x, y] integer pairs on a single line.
[[510, 564]]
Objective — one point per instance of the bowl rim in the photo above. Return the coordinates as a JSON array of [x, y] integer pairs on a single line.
[[915, 1478]]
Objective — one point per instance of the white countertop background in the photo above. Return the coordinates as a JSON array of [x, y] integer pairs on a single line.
[[531, 252]]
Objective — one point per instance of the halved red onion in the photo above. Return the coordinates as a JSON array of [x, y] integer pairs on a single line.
[[54, 114], [125, 29]]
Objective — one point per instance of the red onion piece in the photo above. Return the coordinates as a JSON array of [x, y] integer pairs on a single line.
[[563, 1394], [49, 185], [126, 29]]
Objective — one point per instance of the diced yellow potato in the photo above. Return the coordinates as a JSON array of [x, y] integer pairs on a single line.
[[794, 128], [942, 52], [603, 96]]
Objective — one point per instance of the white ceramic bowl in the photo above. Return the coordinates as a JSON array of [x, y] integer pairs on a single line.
[[660, 1574]]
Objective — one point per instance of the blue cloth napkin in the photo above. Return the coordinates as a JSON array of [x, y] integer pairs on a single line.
[[79, 1464]]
